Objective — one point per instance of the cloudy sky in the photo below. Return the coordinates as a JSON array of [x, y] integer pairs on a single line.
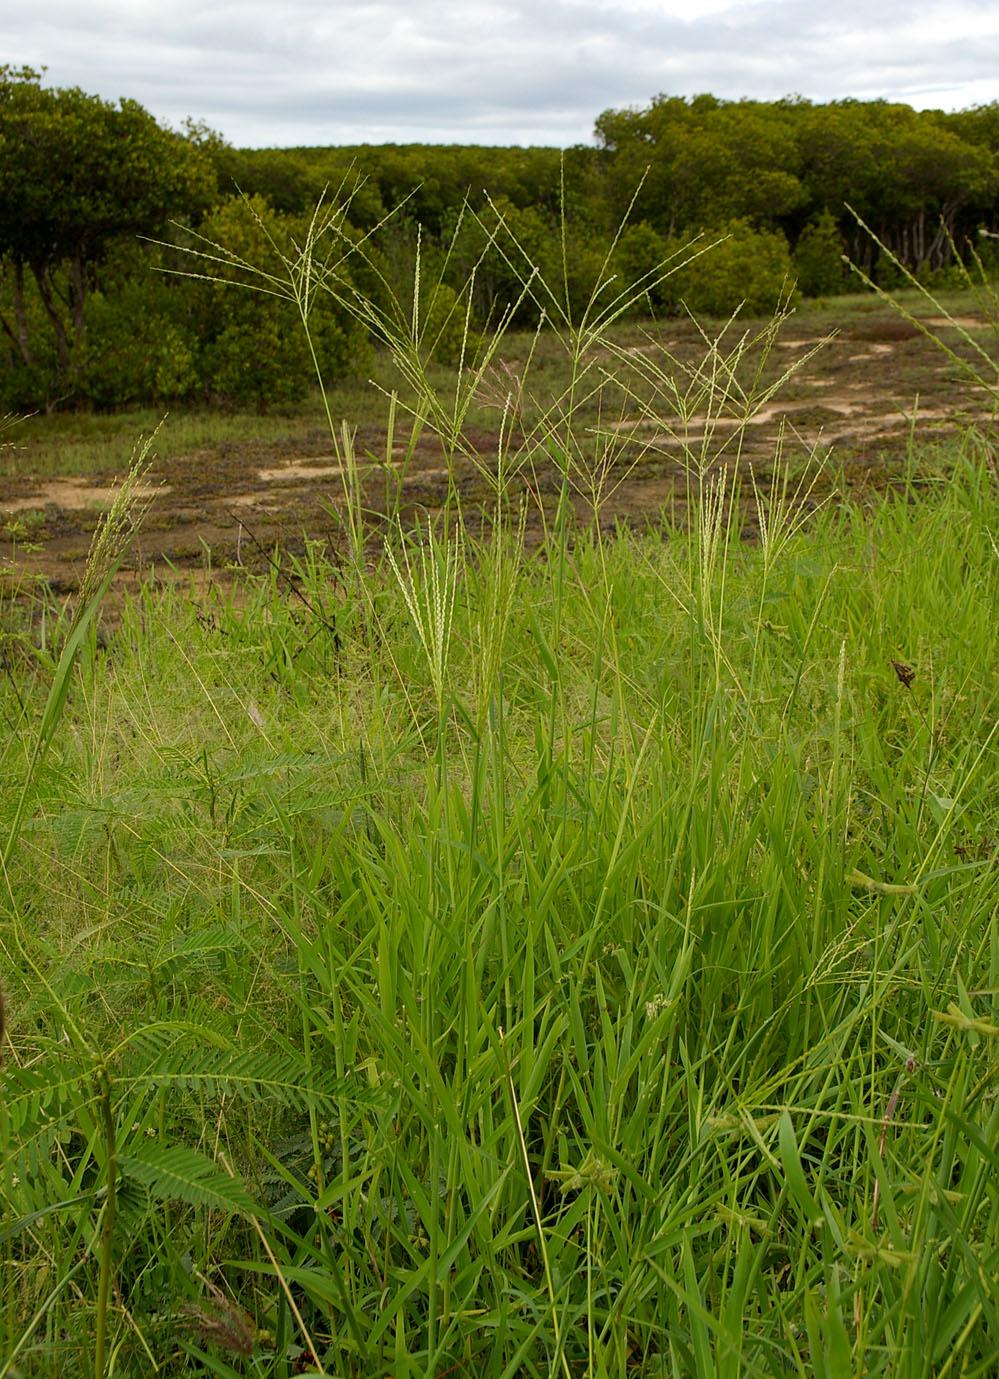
[[286, 72]]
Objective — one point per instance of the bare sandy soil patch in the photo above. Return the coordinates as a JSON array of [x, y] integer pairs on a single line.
[[855, 397]]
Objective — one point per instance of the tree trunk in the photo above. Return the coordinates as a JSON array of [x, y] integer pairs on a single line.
[[919, 241], [77, 296], [42, 278], [941, 249], [20, 315], [5, 327], [18, 333]]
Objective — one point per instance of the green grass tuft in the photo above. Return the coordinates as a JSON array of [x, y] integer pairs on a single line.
[[581, 961]]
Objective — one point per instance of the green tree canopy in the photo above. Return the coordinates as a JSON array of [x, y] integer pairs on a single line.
[[918, 178], [704, 161], [79, 174]]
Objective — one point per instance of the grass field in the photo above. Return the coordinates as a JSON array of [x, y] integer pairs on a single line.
[[467, 959]]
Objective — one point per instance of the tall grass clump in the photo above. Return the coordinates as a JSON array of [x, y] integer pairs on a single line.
[[578, 960]]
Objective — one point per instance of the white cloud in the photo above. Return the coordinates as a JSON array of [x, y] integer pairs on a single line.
[[495, 71]]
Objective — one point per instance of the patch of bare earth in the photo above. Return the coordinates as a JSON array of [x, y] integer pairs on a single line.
[[237, 504]]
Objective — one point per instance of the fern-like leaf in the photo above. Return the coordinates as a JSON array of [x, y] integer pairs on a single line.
[[36, 1097], [172, 1171], [250, 1075]]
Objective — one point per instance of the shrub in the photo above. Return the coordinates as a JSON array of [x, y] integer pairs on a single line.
[[139, 348], [818, 258], [638, 255], [443, 331], [748, 268], [254, 349]]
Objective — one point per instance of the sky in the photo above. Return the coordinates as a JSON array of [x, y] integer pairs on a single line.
[[279, 73]]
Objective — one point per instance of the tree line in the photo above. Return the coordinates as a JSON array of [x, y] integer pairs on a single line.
[[98, 202]]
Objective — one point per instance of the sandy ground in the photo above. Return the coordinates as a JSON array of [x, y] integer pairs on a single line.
[[237, 504]]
